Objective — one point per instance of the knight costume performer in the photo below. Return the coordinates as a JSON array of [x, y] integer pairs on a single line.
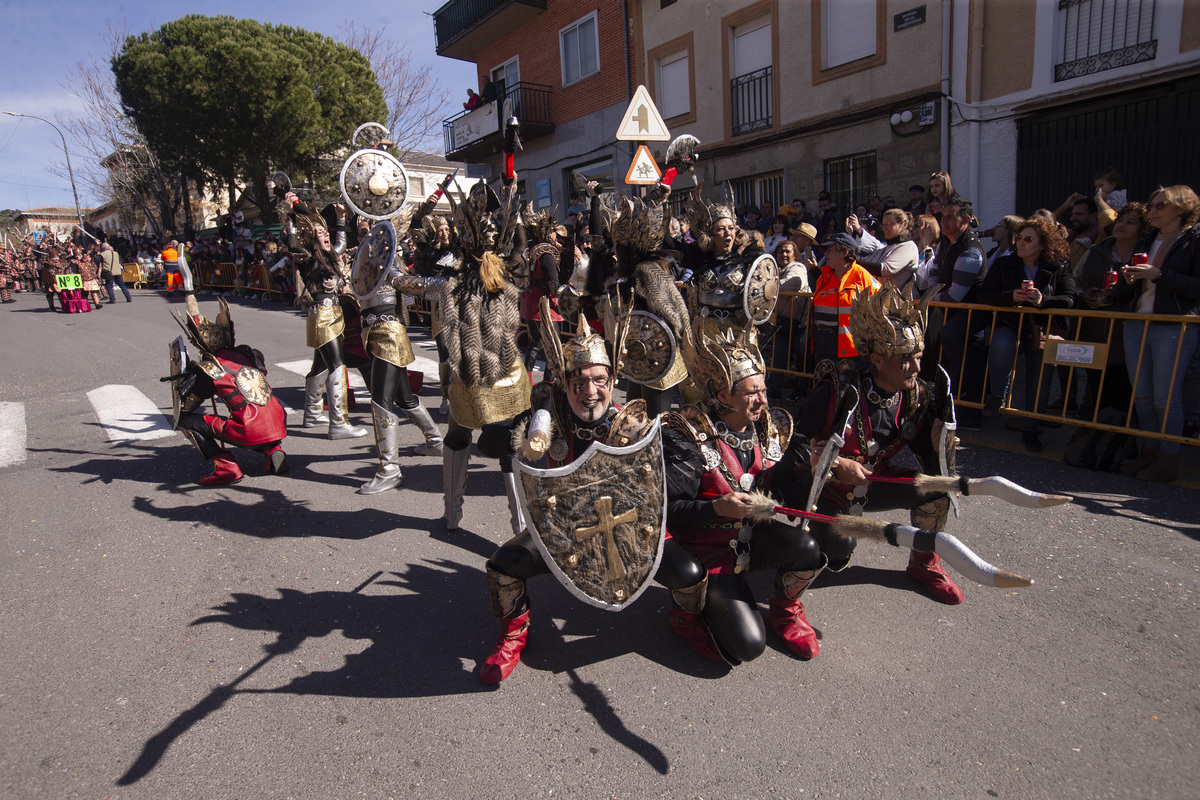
[[875, 412], [543, 272], [478, 305], [573, 411], [237, 375], [716, 454], [323, 271], [372, 178]]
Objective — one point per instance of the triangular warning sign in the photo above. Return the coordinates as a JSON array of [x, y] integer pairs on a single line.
[[643, 170], [642, 122]]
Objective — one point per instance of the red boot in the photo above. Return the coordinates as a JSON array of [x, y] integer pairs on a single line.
[[507, 652], [277, 461], [225, 470], [787, 612], [687, 624], [927, 570]]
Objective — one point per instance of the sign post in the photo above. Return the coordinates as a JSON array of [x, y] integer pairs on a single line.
[[642, 123]]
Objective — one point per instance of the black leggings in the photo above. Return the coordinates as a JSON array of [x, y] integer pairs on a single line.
[[330, 354], [520, 558], [389, 381], [731, 610]]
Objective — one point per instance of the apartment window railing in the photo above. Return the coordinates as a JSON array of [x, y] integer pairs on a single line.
[[1103, 34], [457, 16], [750, 96]]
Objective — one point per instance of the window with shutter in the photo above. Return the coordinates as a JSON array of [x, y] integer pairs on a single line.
[[850, 29], [579, 50], [674, 90]]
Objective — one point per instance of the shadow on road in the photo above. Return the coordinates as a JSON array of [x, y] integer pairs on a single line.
[[417, 649]]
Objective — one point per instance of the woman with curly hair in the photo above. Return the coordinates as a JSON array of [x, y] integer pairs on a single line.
[[1038, 275], [1157, 353]]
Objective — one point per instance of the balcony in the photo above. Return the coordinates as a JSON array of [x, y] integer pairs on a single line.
[[464, 27], [750, 101], [473, 136]]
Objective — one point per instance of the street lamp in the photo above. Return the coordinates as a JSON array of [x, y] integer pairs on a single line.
[[74, 191]]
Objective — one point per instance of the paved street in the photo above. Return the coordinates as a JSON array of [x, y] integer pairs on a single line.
[[288, 638]]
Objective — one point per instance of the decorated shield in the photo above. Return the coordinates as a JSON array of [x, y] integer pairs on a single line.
[[177, 352], [369, 134], [599, 521], [761, 289], [282, 181], [650, 348], [375, 254], [374, 184]]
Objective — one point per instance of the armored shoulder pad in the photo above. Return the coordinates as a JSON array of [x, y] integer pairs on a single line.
[[211, 368], [774, 432], [630, 424]]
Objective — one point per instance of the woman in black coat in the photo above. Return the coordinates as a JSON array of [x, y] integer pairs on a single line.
[[1041, 258]]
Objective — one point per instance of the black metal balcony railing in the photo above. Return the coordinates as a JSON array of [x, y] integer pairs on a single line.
[[1104, 34], [530, 104], [750, 97], [458, 16]]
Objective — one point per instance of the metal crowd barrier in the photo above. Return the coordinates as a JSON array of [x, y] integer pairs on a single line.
[[1068, 349]]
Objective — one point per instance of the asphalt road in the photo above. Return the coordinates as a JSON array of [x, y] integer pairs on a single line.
[[288, 638]]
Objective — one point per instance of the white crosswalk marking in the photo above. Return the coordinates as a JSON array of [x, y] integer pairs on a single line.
[[12, 433], [127, 415], [422, 364]]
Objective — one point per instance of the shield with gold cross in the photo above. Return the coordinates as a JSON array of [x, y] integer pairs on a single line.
[[599, 521]]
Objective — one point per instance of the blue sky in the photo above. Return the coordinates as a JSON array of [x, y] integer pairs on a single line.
[[41, 39]]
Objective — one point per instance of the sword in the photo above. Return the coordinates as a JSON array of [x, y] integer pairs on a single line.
[[947, 437], [837, 440]]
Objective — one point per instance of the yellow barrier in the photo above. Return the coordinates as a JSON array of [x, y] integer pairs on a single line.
[[1072, 352], [131, 274]]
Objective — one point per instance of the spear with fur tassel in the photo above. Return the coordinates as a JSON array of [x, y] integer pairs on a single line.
[[952, 551], [995, 486]]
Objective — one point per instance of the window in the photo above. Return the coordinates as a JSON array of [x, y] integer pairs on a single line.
[[416, 186], [579, 48], [1095, 35], [848, 36], [849, 31], [674, 85], [851, 180], [758, 189], [750, 86]]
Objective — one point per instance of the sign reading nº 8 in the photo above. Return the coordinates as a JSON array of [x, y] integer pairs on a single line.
[[68, 282]]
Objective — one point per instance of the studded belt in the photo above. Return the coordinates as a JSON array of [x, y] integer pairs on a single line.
[[328, 302], [371, 319], [720, 313]]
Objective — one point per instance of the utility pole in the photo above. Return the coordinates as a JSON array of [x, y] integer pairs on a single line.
[[74, 191]]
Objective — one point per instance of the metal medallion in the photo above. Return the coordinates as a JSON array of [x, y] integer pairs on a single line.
[[374, 184], [369, 134], [746, 482], [761, 289]]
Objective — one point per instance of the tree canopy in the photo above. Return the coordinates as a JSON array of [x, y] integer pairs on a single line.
[[234, 99]]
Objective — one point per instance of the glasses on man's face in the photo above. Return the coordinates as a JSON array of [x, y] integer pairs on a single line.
[[1026, 239], [580, 385], [1159, 206]]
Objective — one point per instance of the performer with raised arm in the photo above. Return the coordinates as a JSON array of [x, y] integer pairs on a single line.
[[321, 266], [237, 375], [478, 304], [716, 455], [374, 184]]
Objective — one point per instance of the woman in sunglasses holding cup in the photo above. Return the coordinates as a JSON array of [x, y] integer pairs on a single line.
[[1038, 275], [1162, 278]]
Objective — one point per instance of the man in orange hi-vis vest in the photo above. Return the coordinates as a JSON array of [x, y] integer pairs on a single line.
[[841, 279]]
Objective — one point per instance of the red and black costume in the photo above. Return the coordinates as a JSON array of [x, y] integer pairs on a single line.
[[237, 376]]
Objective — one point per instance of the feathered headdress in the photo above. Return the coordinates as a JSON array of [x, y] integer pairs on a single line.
[[701, 216], [208, 335], [888, 323]]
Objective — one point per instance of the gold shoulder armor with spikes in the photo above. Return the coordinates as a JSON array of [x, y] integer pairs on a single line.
[[211, 368], [630, 424], [774, 431]]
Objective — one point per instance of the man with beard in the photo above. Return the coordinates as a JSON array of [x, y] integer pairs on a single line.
[[895, 411], [573, 409]]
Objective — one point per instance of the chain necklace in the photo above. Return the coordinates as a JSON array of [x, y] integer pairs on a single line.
[[734, 440]]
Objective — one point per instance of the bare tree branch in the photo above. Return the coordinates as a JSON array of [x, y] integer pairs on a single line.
[[416, 104]]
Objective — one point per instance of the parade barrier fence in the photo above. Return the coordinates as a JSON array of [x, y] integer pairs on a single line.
[[132, 275], [1091, 354]]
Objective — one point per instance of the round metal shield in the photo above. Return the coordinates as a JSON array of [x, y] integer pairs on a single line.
[[369, 134], [282, 181], [375, 254], [649, 348], [374, 184], [761, 289]]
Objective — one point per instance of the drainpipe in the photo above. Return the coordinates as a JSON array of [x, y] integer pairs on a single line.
[[947, 24], [975, 94]]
